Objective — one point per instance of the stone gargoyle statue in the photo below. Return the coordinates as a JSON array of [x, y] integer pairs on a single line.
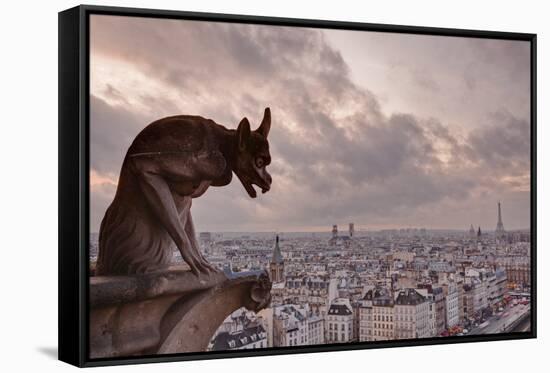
[[170, 162]]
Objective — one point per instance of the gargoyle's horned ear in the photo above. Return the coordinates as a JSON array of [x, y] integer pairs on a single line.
[[266, 123], [243, 133]]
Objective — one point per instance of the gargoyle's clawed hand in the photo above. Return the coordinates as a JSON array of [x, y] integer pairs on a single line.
[[208, 266], [205, 266], [196, 261], [191, 260]]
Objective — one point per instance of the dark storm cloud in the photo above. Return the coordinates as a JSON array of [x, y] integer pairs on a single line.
[[111, 133], [335, 155], [503, 144]]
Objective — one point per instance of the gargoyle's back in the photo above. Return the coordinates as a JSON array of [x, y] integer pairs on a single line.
[[181, 133]]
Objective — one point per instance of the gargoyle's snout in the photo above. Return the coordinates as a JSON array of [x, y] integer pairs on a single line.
[[261, 179], [265, 185]]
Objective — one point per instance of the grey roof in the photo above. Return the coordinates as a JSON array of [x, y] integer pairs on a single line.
[[379, 297], [293, 311], [252, 334], [339, 309], [409, 297], [277, 256], [383, 301]]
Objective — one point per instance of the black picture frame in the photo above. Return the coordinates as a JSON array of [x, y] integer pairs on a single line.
[[74, 181]]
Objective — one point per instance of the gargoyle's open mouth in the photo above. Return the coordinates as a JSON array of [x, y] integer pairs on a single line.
[[249, 186]]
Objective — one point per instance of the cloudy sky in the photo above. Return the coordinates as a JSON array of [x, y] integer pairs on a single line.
[[385, 130]]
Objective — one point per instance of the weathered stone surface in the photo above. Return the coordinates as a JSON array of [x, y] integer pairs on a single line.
[[169, 163], [167, 312], [109, 290]]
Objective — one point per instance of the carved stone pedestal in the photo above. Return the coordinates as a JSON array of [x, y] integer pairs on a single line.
[[166, 312]]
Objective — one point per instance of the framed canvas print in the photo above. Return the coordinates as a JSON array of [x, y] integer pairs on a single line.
[[233, 186]]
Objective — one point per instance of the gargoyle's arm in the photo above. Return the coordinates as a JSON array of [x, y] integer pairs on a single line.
[[159, 197]]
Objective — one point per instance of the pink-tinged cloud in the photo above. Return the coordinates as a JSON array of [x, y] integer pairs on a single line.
[[339, 154]]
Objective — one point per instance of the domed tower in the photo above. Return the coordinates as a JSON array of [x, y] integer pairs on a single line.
[[277, 264]]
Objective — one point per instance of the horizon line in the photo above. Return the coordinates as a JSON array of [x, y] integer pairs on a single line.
[[356, 230]]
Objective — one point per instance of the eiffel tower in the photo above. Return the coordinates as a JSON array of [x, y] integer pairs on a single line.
[[500, 227]]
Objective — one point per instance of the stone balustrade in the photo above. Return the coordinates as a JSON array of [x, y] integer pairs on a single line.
[[167, 312]]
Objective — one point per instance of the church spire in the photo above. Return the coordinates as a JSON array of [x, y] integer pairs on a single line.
[[277, 257], [277, 265]]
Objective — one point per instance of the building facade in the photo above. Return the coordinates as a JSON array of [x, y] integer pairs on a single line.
[[290, 327], [411, 312], [339, 322], [382, 317], [451, 305], [315, 330]]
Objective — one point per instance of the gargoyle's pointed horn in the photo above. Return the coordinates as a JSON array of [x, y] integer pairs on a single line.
[[266, 123]]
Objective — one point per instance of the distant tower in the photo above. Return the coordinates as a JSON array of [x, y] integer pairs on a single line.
[[500, 227], [351, 230], [277, 265], [472, 231], [478, 232], [334, 231]]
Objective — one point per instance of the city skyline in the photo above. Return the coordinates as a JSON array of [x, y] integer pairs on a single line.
[[377, 288], [365, 229], [407, 131]]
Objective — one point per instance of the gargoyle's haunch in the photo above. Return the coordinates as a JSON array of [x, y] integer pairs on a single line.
[[170, 162]]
